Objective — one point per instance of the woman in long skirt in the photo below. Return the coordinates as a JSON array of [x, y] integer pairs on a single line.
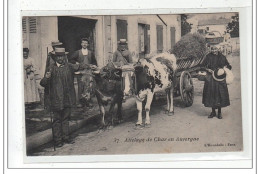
[[215, 91], [31, 93]]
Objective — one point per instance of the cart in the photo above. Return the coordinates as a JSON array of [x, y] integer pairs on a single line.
[[187, 69]]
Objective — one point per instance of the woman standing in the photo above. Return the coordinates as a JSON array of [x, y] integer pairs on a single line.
[[215, 91], [31, 93]]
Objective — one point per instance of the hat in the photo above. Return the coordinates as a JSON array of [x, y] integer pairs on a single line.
[[59, 51], [219, 75], [122, 41], [84, 39], [25, 50], [56, 43]]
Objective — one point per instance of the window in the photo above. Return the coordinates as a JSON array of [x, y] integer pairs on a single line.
[[143, 40], [159, 29], [121, 29]]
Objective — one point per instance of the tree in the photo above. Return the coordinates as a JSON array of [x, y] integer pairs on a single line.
[[233, 26], [185, 26]]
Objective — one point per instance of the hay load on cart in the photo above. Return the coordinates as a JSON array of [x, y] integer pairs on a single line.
[[190, 52]]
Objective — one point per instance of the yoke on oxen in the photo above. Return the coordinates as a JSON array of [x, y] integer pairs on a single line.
[[124, 73], [128, 80], [108, 90], [147, 76]]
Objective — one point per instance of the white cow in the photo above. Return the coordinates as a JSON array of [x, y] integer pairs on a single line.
[[152, 75]]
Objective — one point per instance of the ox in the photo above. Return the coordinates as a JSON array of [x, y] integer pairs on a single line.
[[152, 75], [106, 86]]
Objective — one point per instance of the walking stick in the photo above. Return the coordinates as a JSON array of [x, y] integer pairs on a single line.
[[54, 148], [47, 68]]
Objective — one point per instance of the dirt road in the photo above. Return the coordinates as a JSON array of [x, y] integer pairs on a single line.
[[189, 130]]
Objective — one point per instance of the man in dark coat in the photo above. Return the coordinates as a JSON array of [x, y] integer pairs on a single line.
[[59, 78], [215, 92], [122, 56], [49, 62], [86, 56]]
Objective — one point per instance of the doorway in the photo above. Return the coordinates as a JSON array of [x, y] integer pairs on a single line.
[[72, 29]]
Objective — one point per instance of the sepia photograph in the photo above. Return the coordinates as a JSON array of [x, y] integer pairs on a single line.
[[132, 84]]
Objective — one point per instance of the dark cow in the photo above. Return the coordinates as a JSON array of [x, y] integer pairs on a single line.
[[107, 89], [88, 85], [153, 75]]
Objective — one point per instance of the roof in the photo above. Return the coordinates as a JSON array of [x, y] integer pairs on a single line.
[[222, 21]]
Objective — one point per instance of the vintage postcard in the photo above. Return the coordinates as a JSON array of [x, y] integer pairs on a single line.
[[132, 84]]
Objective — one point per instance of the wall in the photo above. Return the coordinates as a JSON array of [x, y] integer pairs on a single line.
[[152, 20], [49, 32], [235, 43], [46, 31], [172, 21]]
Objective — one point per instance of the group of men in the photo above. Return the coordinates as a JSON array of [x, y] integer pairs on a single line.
[[58, 82]]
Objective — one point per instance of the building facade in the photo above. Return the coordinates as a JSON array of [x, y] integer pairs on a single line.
[[146, 35], [209, 25]]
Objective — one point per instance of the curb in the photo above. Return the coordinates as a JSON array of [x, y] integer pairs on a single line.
[[44, 137]]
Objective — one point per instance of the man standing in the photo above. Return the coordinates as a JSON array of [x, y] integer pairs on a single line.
[[84, 55], [49, 62], [59, 78], [122, 56]]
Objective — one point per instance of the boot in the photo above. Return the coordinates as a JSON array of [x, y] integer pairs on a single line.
[[212, 114], [219, 116]]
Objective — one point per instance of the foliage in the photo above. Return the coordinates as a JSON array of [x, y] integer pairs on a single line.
[[185, 26], [233, 26], [192, 45]]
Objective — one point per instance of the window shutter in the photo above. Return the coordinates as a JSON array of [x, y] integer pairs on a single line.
[[32, 25], [159, 29], [147, 39], [172, 37], [24, 25], [121, 29]]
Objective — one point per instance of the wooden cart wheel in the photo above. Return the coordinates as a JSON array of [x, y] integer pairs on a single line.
[[186, 88]]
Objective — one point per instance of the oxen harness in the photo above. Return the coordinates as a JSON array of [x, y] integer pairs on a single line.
[[130, 72]]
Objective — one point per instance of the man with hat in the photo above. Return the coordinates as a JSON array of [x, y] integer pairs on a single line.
[[215, 91], [122, 56], [59, 78], [50, 57], [50, 61], [84, 55]]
